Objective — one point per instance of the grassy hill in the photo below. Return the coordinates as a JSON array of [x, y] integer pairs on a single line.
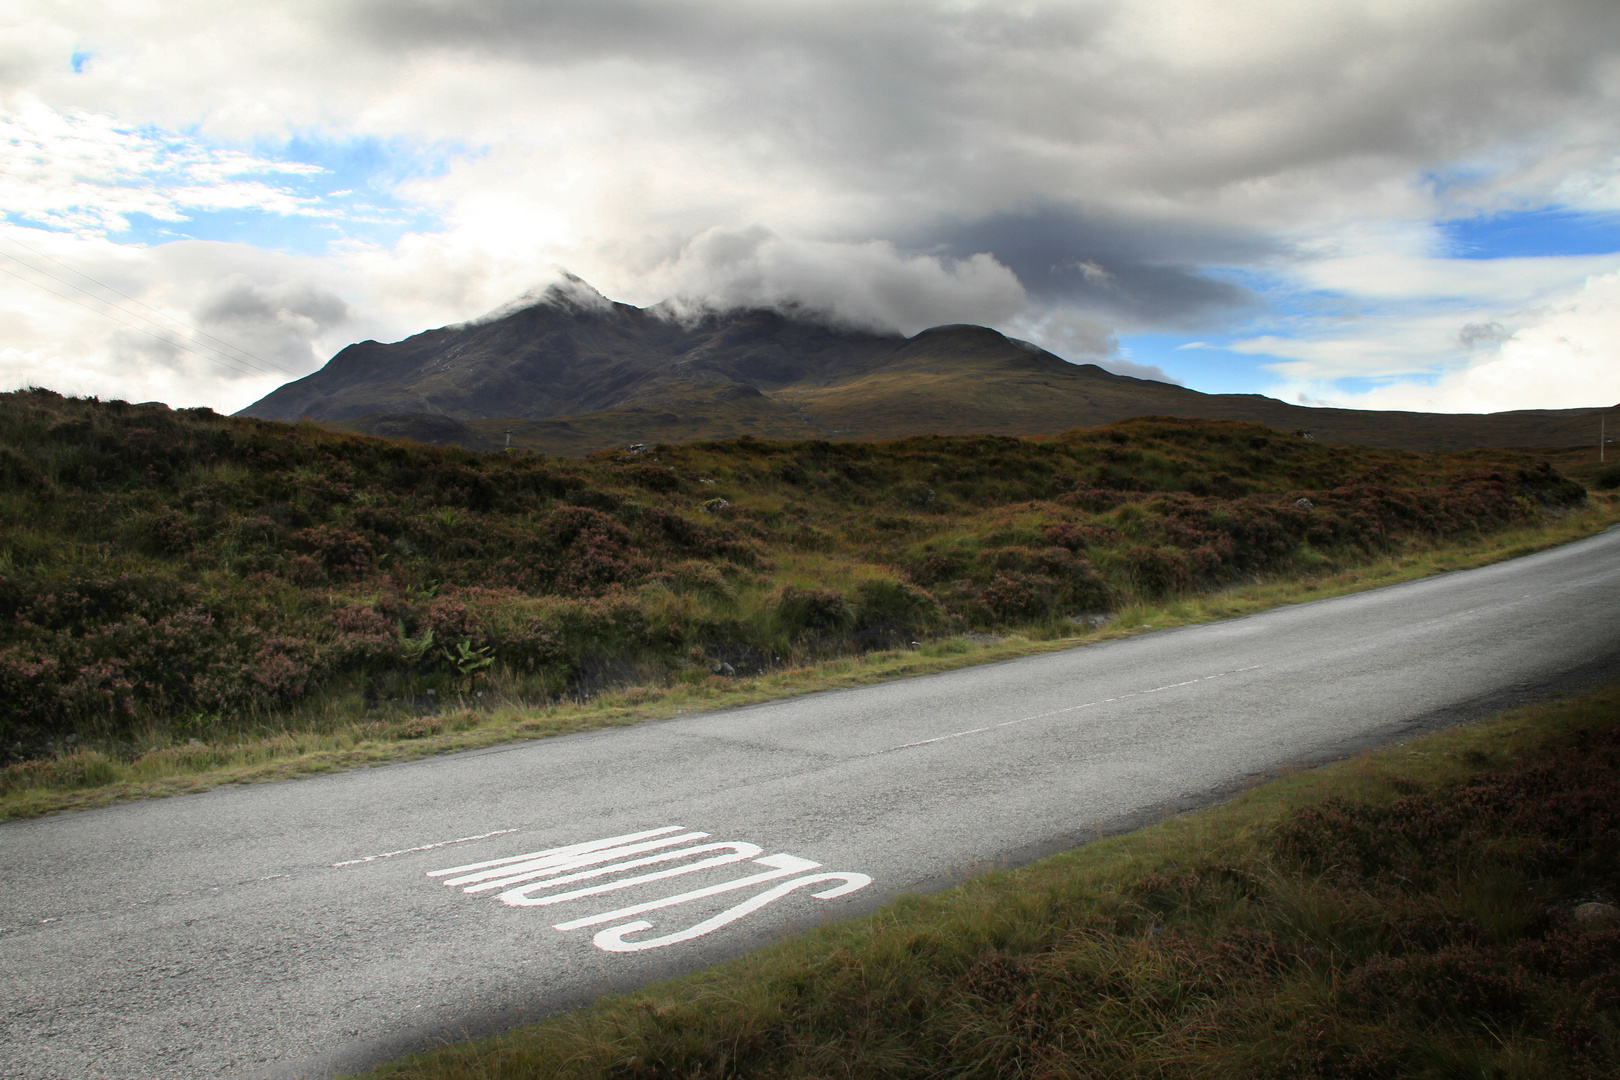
[[167, 575], [966, 380]]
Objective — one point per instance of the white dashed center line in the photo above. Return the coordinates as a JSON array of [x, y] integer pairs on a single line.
[[1069, 709], [422, 847]]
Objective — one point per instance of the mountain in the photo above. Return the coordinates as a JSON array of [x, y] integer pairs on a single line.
[[574, 372]]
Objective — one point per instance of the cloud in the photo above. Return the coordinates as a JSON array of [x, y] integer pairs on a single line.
[[189, 323], [279, 319], [1269, 170], [869, 286], [1069, 334], [1475, 332], [87, 172], [1135, 272], [1566, 356]]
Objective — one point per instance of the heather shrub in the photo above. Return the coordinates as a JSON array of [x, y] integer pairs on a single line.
[[1156, 571], [818, 611], [1015, 597], [158, 566], [892, 600], [889, 612]]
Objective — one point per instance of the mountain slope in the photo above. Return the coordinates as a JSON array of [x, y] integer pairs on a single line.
[[573, 351], [574, 372]]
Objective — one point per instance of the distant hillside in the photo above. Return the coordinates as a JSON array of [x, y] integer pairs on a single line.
[[575, 372]]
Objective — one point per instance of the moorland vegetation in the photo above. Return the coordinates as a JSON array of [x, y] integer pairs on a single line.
[[176, 575]]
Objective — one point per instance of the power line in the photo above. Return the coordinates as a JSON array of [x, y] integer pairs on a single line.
[[227, 362], [253, 365], [131, 299], [246, 357]]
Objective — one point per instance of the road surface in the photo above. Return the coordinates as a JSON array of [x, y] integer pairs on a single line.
[[323, 924]]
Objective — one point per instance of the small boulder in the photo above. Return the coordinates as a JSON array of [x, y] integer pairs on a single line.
[[1305, 504], [1595, 913], [723, 669]]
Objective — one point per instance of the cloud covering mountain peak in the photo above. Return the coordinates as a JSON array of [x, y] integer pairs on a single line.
[[1273, 180]]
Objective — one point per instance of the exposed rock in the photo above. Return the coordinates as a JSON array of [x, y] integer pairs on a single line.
[[1595, 913], [1304, 504], [723, 669], [1091, 621], [917, 495]]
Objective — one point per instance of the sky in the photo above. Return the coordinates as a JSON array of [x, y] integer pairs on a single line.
[[1403, 204]]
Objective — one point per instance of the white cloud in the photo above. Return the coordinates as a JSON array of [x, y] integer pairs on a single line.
[[1064, 170], [89, 173], [1395, 312], [869, 286], [1567, 356], [190, 323]]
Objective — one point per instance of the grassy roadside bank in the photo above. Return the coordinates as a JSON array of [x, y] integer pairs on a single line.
[[1422, 911], [338, 732]]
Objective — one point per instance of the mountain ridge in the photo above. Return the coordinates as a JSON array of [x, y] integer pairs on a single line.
[[573, 372]]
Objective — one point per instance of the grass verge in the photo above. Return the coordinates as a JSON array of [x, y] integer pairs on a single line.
[[1432, 909], [342, 731]]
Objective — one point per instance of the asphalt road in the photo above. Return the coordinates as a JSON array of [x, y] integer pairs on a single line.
[[305, 927]]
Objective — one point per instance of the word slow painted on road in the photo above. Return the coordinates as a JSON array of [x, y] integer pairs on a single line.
[[599, 868]]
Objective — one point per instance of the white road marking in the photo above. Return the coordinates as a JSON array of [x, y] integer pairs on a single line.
[[519, 897], [523, 876], [612, 939], [525, 880], [422, 847], [561, 863], [1069, 709], [785, 865], [942, 738], [559, 852]]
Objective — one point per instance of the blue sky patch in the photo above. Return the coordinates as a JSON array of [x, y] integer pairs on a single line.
[[78, 60], [1200, 361], [351, 197], [299, 195], [1530, 234]]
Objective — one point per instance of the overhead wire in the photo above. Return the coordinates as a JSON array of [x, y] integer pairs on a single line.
[[169, 341], [247, 363], [133, 300]]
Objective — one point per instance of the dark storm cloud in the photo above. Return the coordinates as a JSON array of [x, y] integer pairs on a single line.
[[564, 31], [243, 301], [895, 115], [278, 321], [870, 93], [1491, 333], [1140, 272]]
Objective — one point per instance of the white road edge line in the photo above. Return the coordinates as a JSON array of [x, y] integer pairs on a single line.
[[422, 847]]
